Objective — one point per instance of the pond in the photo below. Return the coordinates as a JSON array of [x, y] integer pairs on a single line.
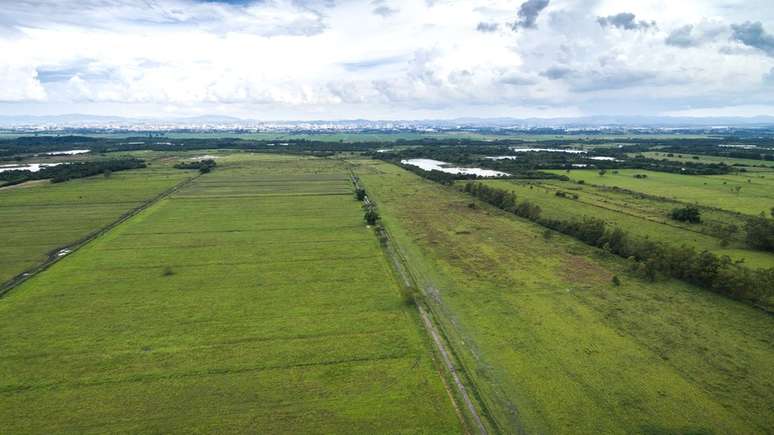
[[548, 150], [32, 167], [437, 165], [67, 153]]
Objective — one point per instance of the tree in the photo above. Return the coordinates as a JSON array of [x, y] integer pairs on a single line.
[[616, 281], [360, 194], [760, 233], [107, 173], [688, 214], [371, 216], [602, 172]]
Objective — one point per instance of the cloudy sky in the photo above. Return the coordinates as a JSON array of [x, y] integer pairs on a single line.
[[387, 59]]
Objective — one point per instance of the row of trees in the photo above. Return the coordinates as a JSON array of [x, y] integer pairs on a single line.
[[204, 166], [371, 215], [648, 257], [503, 199], [69, 171]]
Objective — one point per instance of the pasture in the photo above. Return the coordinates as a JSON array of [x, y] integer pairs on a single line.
[[749, 164], [253, 300], [42, 217], [639, 215], [749, 194], [552, 345]]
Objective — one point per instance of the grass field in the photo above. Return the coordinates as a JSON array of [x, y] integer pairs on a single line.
[[553, 346], [254, 300], [754, 196], [750, 164], [43, 217], [638, 215]]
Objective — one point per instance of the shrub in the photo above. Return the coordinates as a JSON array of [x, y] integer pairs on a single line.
[[371, 216], [688, 214], [760, 233]]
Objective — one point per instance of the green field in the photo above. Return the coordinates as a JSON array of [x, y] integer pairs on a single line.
[[750, 164], [552, 346], [639, 215], [253, 300], [42, 217], [753, 198]]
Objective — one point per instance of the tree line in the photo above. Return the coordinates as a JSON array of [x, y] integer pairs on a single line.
[[370, 214], [204, 166], [648, 258], [69, 171]]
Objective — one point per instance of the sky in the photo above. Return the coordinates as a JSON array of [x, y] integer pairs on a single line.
[[387, 59]]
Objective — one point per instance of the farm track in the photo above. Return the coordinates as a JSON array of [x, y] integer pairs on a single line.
[[401, 268], [55, 256], [435, 334]]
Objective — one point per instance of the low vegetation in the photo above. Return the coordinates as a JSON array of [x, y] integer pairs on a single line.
[[719, 274], [552, 343], [252, 300], [68, 171], [40, 220]]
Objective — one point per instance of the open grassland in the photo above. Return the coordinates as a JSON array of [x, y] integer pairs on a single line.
[[753, 197], [639, 215], [253, 300], [42, 217], [553, 346], [749, 164]]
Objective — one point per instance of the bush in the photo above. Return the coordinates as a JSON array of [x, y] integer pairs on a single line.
[[760, 233], [204, 166], [688, 214], [371, 216]]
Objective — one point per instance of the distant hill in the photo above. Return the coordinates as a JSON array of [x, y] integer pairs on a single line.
[[98, 121]]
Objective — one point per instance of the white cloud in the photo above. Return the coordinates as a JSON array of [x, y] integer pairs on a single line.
[[20, 83], [410, 58]]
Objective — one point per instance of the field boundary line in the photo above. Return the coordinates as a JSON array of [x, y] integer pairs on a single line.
[[643, 217], [54, 255], [400, 268]]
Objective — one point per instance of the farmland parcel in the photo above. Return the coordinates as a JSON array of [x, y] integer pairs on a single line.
[[252, 300], [554, 345]]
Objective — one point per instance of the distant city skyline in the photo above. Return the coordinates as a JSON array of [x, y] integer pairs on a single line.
[[387, 59]]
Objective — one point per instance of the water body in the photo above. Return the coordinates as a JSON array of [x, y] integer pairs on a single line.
[[32, 167], [548, 150], [437, 165], [67, 153]]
